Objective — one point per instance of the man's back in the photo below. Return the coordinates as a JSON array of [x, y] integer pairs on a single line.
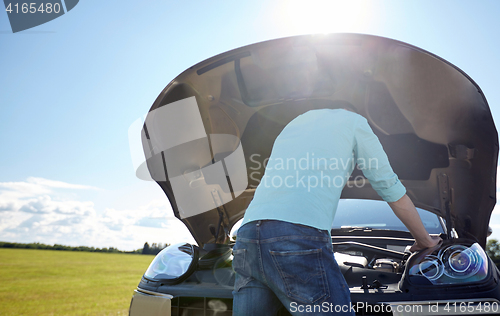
[[311, 160]]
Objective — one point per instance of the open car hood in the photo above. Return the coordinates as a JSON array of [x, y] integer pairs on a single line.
[[208, 134]]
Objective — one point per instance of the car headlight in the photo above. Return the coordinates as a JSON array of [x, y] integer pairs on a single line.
[[450, 264], [173, 264]]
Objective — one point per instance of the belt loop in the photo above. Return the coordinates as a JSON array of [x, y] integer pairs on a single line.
[[257, 232]]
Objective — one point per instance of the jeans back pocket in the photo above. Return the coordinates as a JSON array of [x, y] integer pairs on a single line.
[[303, 275]]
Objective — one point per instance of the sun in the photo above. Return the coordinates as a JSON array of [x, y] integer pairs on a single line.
[[323, 16]]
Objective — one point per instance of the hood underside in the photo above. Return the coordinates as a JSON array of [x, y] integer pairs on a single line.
[[208, 134]]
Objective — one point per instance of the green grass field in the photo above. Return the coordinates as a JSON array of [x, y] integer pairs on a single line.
[[48, 282]]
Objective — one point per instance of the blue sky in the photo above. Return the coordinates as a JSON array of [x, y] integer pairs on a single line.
[[70, 89]]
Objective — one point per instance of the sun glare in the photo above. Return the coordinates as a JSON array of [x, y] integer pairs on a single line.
[[323, 16]]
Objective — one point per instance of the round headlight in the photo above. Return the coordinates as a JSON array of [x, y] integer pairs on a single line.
[[173, 264], [459, 261], [431, 267]]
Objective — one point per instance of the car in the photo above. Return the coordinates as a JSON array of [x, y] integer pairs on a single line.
[[209, 134]]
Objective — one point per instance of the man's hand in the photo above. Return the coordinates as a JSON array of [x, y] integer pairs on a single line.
[[434, 241]]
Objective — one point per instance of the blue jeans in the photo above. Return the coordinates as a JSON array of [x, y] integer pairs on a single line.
[[279, 263]]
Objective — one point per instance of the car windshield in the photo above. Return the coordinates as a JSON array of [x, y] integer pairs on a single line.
[[378, 215]]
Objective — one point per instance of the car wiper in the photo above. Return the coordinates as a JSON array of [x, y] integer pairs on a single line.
[[351, 229], [354, 228]]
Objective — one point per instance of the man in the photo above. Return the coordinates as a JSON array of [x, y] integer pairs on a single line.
[[283, 253]]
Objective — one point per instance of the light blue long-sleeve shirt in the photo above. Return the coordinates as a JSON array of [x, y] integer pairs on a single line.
[[310, 163]]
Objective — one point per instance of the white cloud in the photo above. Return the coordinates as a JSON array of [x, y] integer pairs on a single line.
[[58, 184], [44, 204], [30, 211], [33, 196]]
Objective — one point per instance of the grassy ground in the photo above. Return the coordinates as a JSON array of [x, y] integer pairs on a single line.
[[48, 282]]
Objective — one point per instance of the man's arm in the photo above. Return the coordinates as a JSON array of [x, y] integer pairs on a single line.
[[386, 183], [405, 210]]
